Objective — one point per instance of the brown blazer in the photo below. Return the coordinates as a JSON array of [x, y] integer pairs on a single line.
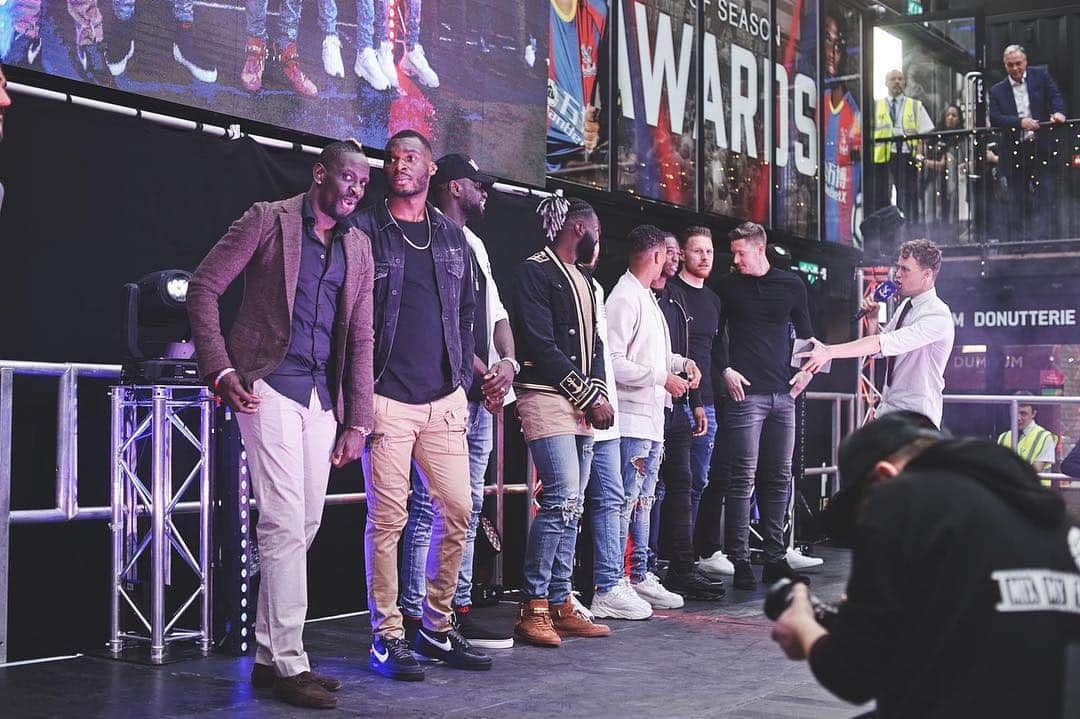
[[264, 245]]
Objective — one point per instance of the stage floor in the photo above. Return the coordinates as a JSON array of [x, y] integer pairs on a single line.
[[706, 660]]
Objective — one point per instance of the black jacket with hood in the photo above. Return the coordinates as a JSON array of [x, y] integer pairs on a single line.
[[964, 591]]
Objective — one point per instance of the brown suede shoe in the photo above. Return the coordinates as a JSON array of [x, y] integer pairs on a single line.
[[263, 677], [570, 622], [302, 690], [534, 624]]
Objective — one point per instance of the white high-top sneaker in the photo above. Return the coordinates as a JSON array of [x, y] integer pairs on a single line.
[[385, 53], [415, 64], [331, 56], [367, 69]]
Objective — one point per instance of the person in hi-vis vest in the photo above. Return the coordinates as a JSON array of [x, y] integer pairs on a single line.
[[1036, 444], [894, 116]]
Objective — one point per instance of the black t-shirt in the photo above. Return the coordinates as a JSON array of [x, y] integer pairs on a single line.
[[703, 305], [964, 592], [758, 313], [418, 369]]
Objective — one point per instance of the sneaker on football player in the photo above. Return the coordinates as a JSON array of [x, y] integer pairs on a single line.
[[415, 65], [187, 52], [385, 56], [331, 56], [25, 51], [620, 602], [367, 69]]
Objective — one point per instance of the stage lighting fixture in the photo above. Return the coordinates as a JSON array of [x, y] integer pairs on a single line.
[[157, 336]]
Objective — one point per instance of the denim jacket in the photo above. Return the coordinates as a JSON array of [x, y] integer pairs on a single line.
[[453, 274]]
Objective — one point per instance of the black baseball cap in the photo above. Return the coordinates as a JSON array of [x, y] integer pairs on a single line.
[[456, 166], [859, 454]]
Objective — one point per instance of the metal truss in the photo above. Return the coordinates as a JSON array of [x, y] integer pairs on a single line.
[[155, 415]]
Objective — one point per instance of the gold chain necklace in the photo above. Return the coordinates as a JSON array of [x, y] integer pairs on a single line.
[[411, 243]]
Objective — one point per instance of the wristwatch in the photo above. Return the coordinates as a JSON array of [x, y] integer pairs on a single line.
[[513, 364], [361, 429]]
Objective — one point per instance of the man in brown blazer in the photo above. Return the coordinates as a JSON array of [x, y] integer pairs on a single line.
[[296, 363]]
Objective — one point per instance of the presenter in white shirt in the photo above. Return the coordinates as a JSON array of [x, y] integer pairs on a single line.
[[916, 342]]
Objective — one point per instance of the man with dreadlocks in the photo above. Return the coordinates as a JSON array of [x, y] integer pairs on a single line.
[[561, 397]]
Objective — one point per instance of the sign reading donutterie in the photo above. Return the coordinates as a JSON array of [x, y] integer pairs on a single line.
[[469, 75]]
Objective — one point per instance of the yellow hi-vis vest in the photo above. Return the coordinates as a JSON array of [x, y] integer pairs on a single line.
[[1030, 445], [883, 126]]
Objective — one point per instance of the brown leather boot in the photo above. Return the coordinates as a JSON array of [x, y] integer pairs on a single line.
[[302, 690], [570, 622], [534, 624]]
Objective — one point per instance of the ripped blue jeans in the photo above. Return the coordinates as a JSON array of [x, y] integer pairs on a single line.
[[562, 465], [640, 470]]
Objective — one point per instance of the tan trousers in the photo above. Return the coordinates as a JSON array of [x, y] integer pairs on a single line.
[[434, 435], [288, 454]]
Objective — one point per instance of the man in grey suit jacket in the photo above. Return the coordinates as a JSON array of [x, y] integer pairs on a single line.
[[296, 363]]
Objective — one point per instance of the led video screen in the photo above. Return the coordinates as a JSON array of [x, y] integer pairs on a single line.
[[471, 74]]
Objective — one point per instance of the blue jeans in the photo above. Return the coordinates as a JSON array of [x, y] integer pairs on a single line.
[[183, 10], [607, 500], [701, 449], [640, 472], [761, 436], [414, 553], [371, 26], [288, 20], [562, 463], [328, 16]]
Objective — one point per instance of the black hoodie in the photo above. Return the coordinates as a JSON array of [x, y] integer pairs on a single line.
[[964, 592]]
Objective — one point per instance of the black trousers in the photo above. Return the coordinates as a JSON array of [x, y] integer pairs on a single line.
[[708, 530], [900, 171], [675, 542], [1032, 191]]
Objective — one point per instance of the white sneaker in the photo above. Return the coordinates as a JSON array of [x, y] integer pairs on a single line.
[[385, 53], [652, 591], [717, 565], [415, 64], [367, 69], [798, 560], [331, 56], [620, 602], [585, 612], [530, 52]]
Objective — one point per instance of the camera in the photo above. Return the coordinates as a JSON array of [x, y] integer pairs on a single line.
[[779, 598]]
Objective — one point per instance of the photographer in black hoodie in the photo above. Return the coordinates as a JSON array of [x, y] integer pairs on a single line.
[[965, 581]]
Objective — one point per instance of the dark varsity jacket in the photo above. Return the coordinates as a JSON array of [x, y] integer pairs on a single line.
[[549, 335]]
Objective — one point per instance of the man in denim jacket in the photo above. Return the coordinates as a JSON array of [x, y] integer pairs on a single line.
[[423, 317]]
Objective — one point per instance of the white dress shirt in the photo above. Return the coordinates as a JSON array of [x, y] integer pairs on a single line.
[[495, 309], [612, 432], [921, 348], [1023, 102]]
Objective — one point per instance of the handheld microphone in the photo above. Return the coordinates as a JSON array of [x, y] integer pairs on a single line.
[[882, 293]]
